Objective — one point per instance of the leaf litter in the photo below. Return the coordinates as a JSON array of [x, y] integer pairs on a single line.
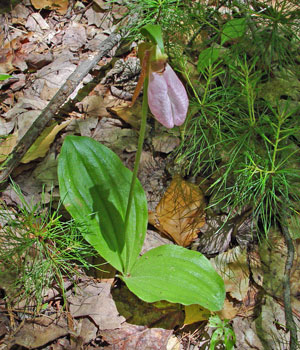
[[177, 210]]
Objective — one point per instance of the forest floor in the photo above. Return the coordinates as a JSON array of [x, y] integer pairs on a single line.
[[41, 47]]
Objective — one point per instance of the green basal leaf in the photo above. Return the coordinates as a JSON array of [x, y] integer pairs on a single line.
[[5, 76], [153, 33], [207, 57], [94, 185], [178, 275], [233, 29]]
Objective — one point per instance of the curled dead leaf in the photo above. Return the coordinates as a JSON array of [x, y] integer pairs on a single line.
[[60, 6], [180, 213]]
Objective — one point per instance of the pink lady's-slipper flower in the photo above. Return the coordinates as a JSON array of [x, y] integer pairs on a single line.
[[167, 97]]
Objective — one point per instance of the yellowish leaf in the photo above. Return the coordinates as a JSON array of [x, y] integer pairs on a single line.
[[195, 313], [42, 144], [131, 115], [61, 6], [7, 146], [180, 213]]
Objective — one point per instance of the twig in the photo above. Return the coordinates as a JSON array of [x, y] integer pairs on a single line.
[[53, 106], [289, 320]]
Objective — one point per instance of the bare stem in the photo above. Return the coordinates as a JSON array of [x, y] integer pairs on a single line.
[[135, 171]]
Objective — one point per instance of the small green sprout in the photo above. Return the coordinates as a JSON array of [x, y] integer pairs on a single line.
[[223, 333]]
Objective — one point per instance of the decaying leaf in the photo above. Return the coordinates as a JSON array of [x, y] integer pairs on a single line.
[[41, 146], [165, 142], [215, 235], [229, 311], [130, 115], [270, 325], [153, 239], [246, 337], [161, 314], [60, 6], [195, 313], [180, 213], [233, 268], [95, 301], [270, 269], [136, 338], [41, 331], [93, 106], [8, 145]]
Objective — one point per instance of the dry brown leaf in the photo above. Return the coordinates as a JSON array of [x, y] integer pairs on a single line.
[[43, 142], [6, 59], [93, 106], [8, 145], [41, 331], [180, 213], [95, 301], [165, 142], [131, 337], [103, 4], [60, 6], [130, 115], [229, 311], [233, 268]]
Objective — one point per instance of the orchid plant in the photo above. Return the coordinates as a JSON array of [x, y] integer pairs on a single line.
[[99, 191]]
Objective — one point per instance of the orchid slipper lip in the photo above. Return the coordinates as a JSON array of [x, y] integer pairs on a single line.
[[167, 97]]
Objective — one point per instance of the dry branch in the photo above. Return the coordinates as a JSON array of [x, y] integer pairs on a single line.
[[53, 106], [289, 320]]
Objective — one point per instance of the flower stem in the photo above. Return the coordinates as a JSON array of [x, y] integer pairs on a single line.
[[135, 172]]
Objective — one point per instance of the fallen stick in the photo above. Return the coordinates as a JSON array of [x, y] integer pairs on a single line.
[[53, 106], [289, 319]]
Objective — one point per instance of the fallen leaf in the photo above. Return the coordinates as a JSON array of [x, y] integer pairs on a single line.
[[165, 142], [36, 23], [60, 6], [246, 337], [46, 171], [173, 343], [229, 311], [8, 145], [161, 314], [195, 313], [109, 131], [131, 337], [42, 144], [130, 115], [103, 4], [152, 240], [270, 325], [271, 269], [94, 300], [93, 106], [41, 331], [215, 235], [99, 19], [180, 213], [75, 37], [233, 268], [52, 76]]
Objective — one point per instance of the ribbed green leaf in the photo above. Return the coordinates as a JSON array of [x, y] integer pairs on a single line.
[[178, 275], [207, 57], [94, 186], [153, 32], [233, 29]]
